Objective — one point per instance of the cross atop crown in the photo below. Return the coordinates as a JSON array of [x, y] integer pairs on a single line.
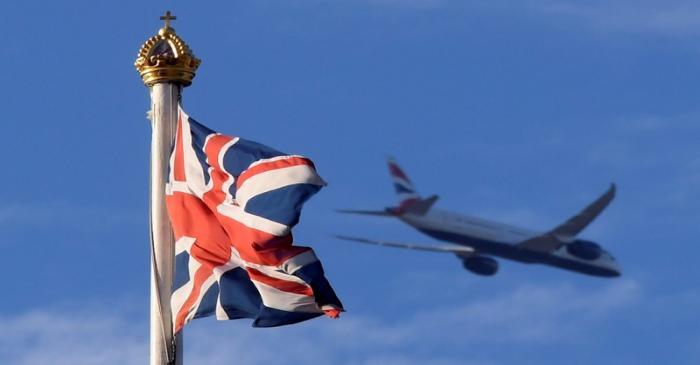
[[167, 17]]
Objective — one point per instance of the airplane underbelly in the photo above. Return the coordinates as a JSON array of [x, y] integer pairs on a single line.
[[580, 267], [486, 246]]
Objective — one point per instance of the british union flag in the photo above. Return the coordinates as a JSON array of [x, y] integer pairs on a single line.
[[232, 204]]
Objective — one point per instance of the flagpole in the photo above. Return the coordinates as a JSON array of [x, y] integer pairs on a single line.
[[165, 64], [163, 349]]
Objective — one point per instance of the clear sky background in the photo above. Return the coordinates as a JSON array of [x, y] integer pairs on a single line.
[[521, 113]]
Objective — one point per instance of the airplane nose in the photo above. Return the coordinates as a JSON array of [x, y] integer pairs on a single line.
[[613, 267], [615, 271]]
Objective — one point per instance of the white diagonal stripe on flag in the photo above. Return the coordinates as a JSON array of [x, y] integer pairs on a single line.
[[275, 179], [282, 300]]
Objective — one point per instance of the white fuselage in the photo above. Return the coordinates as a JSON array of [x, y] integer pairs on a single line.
[[442, 220], [498, 239]]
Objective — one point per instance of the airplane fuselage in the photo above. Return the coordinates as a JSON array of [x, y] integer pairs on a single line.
[[500, 240]]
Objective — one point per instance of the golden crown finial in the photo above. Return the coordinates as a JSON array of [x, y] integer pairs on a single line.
[[165, 57]]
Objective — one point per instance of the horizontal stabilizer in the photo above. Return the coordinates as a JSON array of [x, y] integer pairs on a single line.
[[382, 213], [434, 248], [422, 206]]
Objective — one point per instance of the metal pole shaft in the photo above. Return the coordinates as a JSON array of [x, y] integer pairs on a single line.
[[164, 101]]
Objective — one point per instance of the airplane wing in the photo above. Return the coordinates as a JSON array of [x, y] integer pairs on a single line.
[[382, 213], [568, 230], [463, 250]]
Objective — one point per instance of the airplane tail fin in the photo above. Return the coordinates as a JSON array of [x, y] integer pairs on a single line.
[[405, 191], [409, 199]]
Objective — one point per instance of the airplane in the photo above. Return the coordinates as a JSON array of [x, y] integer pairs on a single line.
[[476, 241]]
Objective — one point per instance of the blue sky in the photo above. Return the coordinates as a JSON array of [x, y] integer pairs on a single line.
[[520, 113]]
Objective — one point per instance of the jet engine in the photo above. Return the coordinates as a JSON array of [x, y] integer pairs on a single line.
[[481, 265], [584, 250]]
